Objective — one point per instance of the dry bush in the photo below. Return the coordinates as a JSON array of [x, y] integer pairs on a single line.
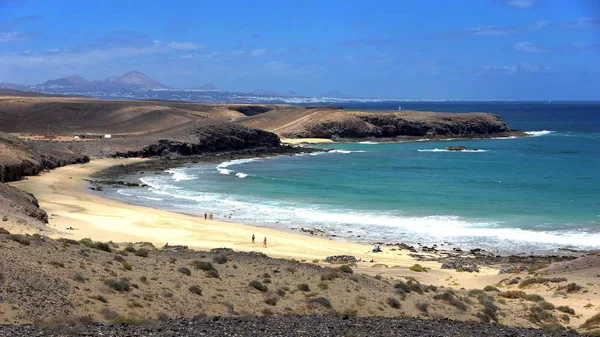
[[418, 268], [142, 252], [491, 288], [195, 290], [394, 303], [213, 273], [258, 286], [220, 259], [22, 239], [448, 297], [346, 269], [56, 264], [127, 266], [206, 266], [99, 298], [513, 294], [566, 309], [537, 280], [322, 301], [422, 306], [270, 299], [185, 271], [120, 285], [303, 287], [591, 322], [78, 277], [119, 258]]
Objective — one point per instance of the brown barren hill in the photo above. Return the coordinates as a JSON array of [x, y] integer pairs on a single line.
[[352, 124]]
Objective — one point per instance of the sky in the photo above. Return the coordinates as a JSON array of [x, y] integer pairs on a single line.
[[408, 49]]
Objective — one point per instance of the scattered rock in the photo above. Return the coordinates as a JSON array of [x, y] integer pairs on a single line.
[[460, 264]]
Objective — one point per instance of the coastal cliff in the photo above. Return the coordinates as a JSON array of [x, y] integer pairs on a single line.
[[350, 125]]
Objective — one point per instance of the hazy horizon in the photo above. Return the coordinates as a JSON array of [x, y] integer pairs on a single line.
[[528, 50]]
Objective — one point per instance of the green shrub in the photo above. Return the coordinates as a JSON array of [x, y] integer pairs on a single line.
[[68, 242], [127, 266], [185, 271], [258, 286], [100, 246], [448, 297], [566, 309], [129, 249], [418, 268], [491, 288], [534, 298], [536, 280], [195, 290]]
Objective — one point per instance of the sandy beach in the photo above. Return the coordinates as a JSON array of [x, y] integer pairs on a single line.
[[63, 194]]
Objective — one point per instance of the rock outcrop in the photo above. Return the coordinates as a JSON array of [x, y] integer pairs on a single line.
[[410, 124]]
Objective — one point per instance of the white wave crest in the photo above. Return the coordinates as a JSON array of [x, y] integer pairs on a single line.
[[236, 162], [369, 143], [123, 193], [539, 133], [241, 175], [157, 184], [179, 175], [345, 151], [444, 150], [224, 171]]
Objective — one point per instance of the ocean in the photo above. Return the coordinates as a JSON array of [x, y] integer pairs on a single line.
[[533, 194]]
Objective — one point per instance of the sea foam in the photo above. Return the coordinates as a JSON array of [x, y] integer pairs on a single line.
[[539, 133], [444, 150]]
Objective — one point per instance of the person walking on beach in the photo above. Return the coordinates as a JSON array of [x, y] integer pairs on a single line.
[[205, 215], [265, 242], [210, 216], [252, 238]]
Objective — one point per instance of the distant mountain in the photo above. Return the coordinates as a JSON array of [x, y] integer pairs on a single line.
[[135, 79], [13, 86], [264, 92], [207, 86], [291, 94], [71, 81], [336, 94]]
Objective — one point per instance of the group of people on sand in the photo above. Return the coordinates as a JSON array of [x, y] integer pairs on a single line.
[[208, 216], [264, 240]]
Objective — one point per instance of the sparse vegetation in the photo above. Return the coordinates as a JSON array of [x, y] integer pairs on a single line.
[[185, 271], [142, 252], [56, 264], [448, 297], [303, 287], [322, 301], [212, 273], [491, 288], [22, 239], [99, 298], [537, 280], [195, 290], [270, 299], [206, 266], [78, 277], [220, 259], [571, 288], [566, 309], [346, 269], [258, 286], [513, 294], [120, 285], [330, 275], [127, 266], [592, 322], [394, 303], [418, 268], [422, 306]]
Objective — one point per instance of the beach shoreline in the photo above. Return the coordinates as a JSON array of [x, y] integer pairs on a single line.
[[64, 193]]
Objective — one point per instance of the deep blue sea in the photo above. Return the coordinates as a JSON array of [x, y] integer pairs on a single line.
[[529, 194]]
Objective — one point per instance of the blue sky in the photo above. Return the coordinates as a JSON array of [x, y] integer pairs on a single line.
[[421, 49]]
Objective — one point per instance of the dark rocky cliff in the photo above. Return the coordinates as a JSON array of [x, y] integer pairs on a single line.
[[414, 124]]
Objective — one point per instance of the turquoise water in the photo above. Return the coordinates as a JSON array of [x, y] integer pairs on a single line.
[[537, 193]]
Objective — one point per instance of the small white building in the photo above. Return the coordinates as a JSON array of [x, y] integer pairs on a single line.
[[107, 136]]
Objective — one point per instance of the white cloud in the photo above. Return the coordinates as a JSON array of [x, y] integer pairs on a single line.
[[185, 46], [527, 47], [258, 52], [13, 36], [520, 3]]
